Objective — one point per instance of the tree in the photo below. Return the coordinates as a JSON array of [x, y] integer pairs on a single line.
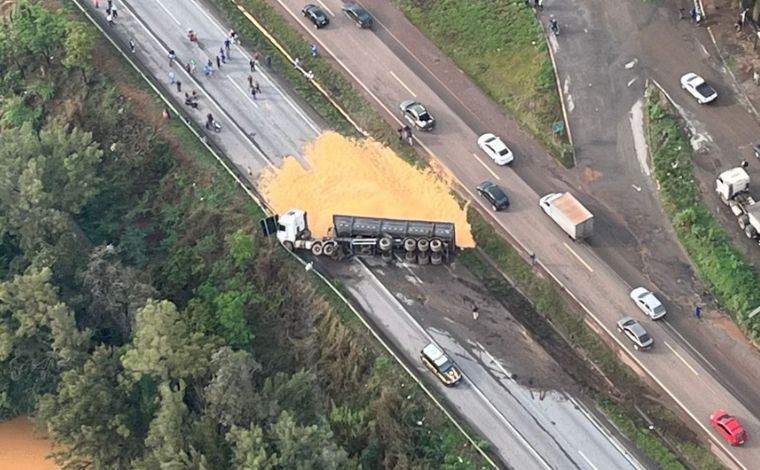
[[231, 395], [249, 451], [40, 31], [241, 246], [164, 347], [95, 415], [306, 447], [79, 43]]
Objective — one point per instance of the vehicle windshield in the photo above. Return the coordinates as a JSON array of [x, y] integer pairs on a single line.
[[645, 338], [446, 367], [504, 151], [424, 116], [705, 89], [659, 309]]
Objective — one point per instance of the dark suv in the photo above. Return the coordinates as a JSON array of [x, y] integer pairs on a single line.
[[495, 196], [315, 14], [358, 15]]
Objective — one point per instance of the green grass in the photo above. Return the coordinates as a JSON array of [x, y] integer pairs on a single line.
[[501, 46], [721, 266], [547, 302]]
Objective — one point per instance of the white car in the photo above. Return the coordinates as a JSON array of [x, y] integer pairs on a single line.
[[495, 148], [698, 88], [648, 303]]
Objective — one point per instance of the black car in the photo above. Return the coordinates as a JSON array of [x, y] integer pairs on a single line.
[[494, 195], [358, 15], [315, 14]]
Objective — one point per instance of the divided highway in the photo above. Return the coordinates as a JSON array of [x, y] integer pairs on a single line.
[[259, 133]]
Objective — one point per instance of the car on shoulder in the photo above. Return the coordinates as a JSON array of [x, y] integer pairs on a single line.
[[417, 115], [315, 14], [495, 148], [441, 365], [648, 303], [729, 427], [358, 14], [636, 333], [698, 88], [495, 196]]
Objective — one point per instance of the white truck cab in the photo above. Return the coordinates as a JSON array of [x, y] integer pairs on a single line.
[[291, 226], [732, 182]]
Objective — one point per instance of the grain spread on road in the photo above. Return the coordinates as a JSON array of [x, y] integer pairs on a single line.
[[364, 178]]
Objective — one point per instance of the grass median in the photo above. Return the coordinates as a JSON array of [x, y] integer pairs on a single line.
[[501, 46], [721, 266]]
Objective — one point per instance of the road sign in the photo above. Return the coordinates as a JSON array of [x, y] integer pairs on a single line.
[[268, 226]]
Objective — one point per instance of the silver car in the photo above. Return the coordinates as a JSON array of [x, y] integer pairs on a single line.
[[648, 303], [636, 333], [417, 115]]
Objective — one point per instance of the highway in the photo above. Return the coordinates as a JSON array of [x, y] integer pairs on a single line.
[[384, 76], [257, 134]]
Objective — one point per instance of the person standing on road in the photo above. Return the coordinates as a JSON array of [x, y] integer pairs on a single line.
[[253, 93], [172, 77], [221, 54], [109, 5], [252, 64], [314, 51], [218, 62], [172, 56], [257, 87], [698, 312], [109, 18], [132, 46], [227, 46], [250, 81], [179, 86], [193, 63]]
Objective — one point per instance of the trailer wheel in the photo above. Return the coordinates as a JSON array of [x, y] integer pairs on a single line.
[[410, 244], [386, 256], [743, 221], [288, 245], [436, 258], [436, 245], [316, 249], [385, 244], [329, 249], [750, 231], [410, 257], [423, 258], [423, 244]]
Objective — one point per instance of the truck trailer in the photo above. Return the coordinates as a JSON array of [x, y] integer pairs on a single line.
[[732, 187], [569, 214], [415, 241]]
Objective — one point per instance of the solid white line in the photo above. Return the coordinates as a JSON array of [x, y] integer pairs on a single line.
[[486, 167], [578, 257], [587, 460], [687, 343], [248, 96], [680, 357], [406, 266], [493, 360], [166, 10], [402, 84], [326, 8]]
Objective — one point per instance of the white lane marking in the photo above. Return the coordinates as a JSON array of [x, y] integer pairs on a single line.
[[681, 358], [587, 460], [326, 8], [577, 256], [486, 167], [687, 343], [406, 266], [168, 12], [498, 365], [402, 84], [247, 95]]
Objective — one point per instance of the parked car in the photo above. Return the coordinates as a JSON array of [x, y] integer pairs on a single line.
[[358, 14], [315, 14], [698, 88], [636, 333], [495, 148], [648, 303], [417, 115], [729, 427], [438, 362], [495, 196]]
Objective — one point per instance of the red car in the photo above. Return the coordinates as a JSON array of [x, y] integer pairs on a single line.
[[729, 427]]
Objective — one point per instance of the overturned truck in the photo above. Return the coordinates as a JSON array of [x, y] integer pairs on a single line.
[[414, 241]]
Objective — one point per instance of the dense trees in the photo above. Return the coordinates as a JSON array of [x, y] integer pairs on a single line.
[[142, 321]]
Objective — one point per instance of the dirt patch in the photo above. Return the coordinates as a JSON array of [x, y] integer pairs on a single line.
[[589, 174], [361, 177]]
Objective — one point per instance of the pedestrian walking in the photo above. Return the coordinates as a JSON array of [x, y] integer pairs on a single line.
[[297, 62], [250, 81], [179, 86], [257, 87], [314, 51], [165, 114], [532, 259], [207, 70], [693, 14], [252, 65], [400, 131], [114, 13], [193, 64], [97, 5], [132, 45], [227, 46], [109, 18], [407, 131], [171, 56], [188, 69], [218, 62], [475, 312], [257, 58], [109, 6], [172, 77], [253, 93], [698, 312], [221, 54]]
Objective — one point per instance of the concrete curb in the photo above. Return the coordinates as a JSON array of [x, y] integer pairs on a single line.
[[560, 91]]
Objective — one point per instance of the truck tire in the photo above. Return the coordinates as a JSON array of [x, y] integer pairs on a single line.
[[387, 256], [423, 258], [436, 258], [329, 249], [423, 244], [410, 244], [436, 245], [410, 257], [750, 232], [743, 221], [316, 249], [385, 244], [288, 245]]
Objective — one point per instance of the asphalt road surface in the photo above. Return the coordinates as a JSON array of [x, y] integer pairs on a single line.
[[388, 79], [258, 133]]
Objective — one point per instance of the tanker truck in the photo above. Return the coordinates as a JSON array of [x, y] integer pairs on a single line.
[[414, 241]]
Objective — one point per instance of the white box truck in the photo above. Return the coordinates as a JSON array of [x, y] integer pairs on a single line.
[[569, 214]]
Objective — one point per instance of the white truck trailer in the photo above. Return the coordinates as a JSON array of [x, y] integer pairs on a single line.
[[732, 187], [569, 214], [414, 240]]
